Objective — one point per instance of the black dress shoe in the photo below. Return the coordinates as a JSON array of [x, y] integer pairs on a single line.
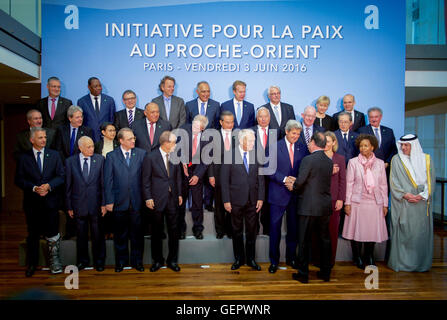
[[236, 265], [359, 263], [182, 235], [219, 236], [100, 268], [293, 264], [174, 266], [81, 266], [198, 235], [156, 266], [273, 268], [209, 208], [139, 267], [323, 276], [119, 268], [254, 265], [30, 271], [300, 277]]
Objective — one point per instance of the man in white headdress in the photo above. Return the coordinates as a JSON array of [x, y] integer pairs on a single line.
[[412, 182]]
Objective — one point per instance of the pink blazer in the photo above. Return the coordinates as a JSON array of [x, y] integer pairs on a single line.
[[354, 182]]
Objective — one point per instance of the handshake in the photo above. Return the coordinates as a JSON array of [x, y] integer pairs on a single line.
[[289, 182]]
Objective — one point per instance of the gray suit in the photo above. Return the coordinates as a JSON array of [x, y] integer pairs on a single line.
[[177, 115]]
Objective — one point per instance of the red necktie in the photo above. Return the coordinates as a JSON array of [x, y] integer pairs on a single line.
[[53, 108], [265, 138], [194, 145], [227, 142], [151, 133], [291, 154]]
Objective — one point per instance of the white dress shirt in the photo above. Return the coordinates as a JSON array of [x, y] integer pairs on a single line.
[[92, 97], [261, 134], [199, 105]]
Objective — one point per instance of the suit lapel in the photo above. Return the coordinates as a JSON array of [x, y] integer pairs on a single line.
[[132, 158], [59, 108], [91, 106], [171, 111], [46, 159], [79, 168], [161, 163], [93, 166]]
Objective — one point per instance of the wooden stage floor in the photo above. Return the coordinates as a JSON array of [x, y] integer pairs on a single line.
[[217, 282]]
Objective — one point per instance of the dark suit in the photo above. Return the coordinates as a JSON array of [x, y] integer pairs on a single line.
[[63, 138], [313, 186], [41, 212], [85, 198], [177, 114], [60, 117], [165, 190], [122, 187], [387, 148], [23, 143], [302, 138], [243, 190], [287, 113], [92, 119], [140, 129], [122, 121], [347, 150], [357, 122], [212, 112], [248, 114], [282, 200]]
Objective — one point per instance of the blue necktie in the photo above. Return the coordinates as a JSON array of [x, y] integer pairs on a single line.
[[130, 117], [168, 107], [85, 169], [72, 141], [238, 113], [39, 163], [128, 159], [245, 161], [202, 109]]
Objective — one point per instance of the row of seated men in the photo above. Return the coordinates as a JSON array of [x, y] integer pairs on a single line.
[[149, 129]]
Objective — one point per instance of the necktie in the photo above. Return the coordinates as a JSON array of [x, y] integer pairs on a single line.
[[151, 133], [39, 163], [128, 158], [376, 133], [85, 169], [291, 154], [72, 141], [345, 139], [227, 142], [307, 135], [276, 111], [245, 161], [130, 117], [96, 105], [202, 109], [265, 137], [53, 108], [194, 145], [168, 107], [238, 113], [167, 163]]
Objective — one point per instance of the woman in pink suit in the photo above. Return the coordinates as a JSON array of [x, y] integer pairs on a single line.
[[366, 202]]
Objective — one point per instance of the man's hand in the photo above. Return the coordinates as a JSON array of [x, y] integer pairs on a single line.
[[289, 184], [109, 207], [180, 200], [193, 181], [259, 205], [150, 204], [227, 206], [70, 213], [185, 170], [338, 205], [348, 209], [103, 210], [212, 181]]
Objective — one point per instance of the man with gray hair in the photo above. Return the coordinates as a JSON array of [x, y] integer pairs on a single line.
[[280, 112], [39, 174], [309, 127], [243, 194], [85, 201], [204, 106]]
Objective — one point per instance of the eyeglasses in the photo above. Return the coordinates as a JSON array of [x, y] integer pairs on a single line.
[[131, 98]]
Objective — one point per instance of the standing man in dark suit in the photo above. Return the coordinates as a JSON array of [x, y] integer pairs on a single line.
[[23, 144], [244, 111], [54, 107], [358, 118], [84, 198], [123, 193], [313, 186], [39, 174], [280, 112], [204, 106], [309, 127], [161, 191], [243, 196], [222, 218], [125, 118], [289, 155], [98, 108], [346, 137], [172, 108]]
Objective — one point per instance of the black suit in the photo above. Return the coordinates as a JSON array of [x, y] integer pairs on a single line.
[[121, 120], [41, 212], [243, 190], [100, 145], [23, 143], [165, 190], [140, 129], [313, 186], [357, 122], [63, 138], [287, 113], [60, 117]]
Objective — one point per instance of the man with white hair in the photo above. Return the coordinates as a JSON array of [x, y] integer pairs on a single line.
[[85, 201], [309, 127], [243, 194], [412, 182], [280, 112]]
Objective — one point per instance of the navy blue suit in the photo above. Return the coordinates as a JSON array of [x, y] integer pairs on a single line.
[[302, 138], [122, 187], [357, 122], [387, 148], [212, 112], [92, 120], [248, 114], [85, 198], [41, 212], [287, 114], [63, 138], [347, 150], [140, 129], [281, 199]]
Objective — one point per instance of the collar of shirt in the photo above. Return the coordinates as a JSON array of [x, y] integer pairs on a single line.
[[71, 129], [149, 124], [274, 105], [342, 132], [373, 128], [199, 102], [288, 145], [235, 102], [35, 151], [124, 152], [163, 154], [242, 154], [92, 97], [50, 102], [133, 110], [310, 127], [224, 134], [166, 98], [82, 157]]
